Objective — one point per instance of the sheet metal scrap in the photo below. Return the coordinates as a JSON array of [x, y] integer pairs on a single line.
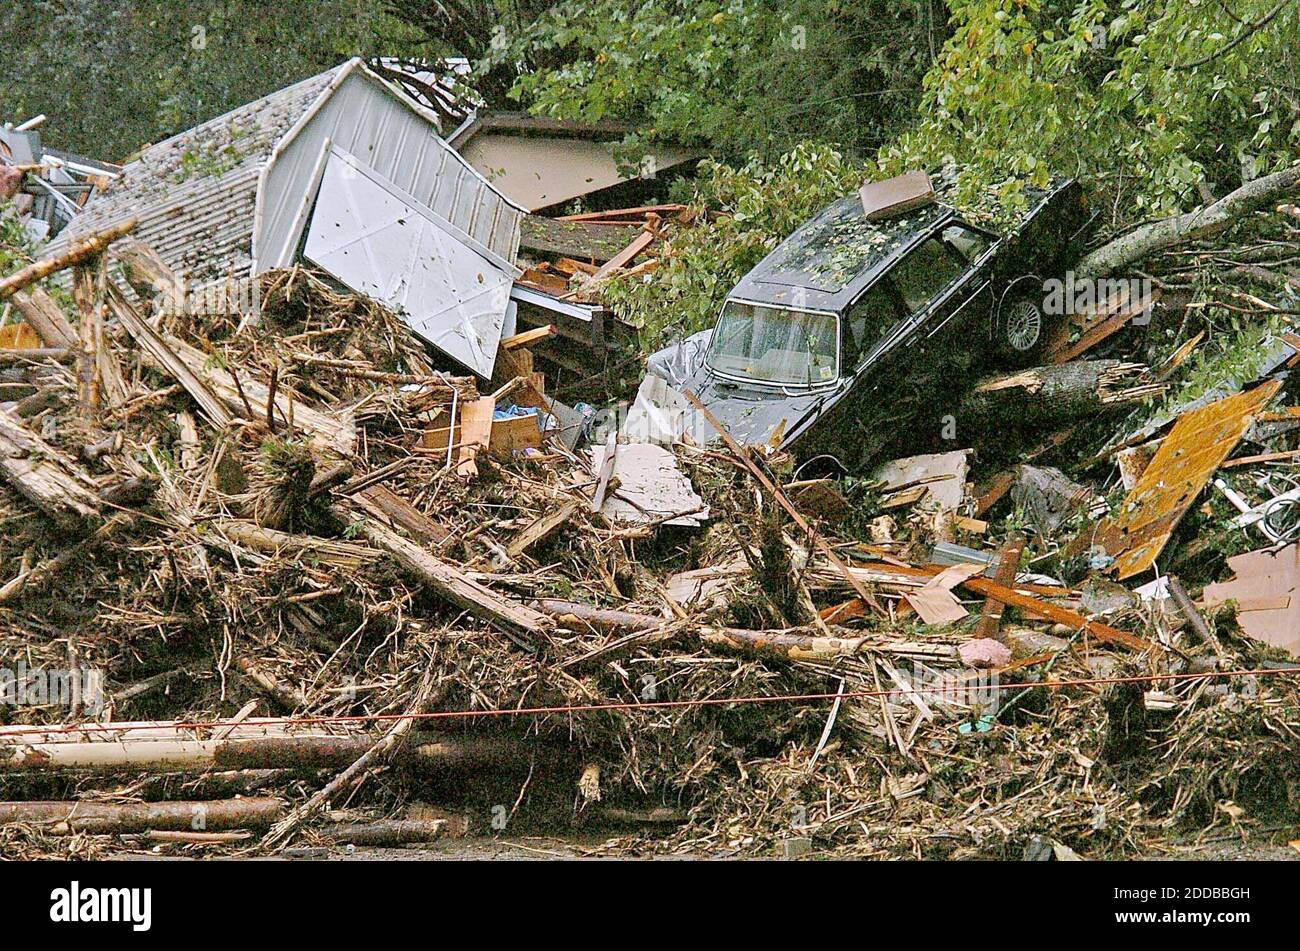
[[1193, 450], [1266, 588]]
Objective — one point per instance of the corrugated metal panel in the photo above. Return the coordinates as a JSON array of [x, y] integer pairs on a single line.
[[381, 242], [370, 121]]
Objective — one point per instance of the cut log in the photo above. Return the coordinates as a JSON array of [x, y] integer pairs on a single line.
[[46, 318], [45, 476], [391, 832], [1060, 391], [101, 818], [79, 250]]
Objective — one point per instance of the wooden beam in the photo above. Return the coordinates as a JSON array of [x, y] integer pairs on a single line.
[[79, 250], [529, 337]]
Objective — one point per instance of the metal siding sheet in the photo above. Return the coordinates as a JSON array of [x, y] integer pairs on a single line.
[[364, 118]]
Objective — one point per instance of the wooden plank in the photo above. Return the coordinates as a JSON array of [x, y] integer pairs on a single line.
[[626, 256], [475, 433], [990, 622], [542, 527], [528, 337]]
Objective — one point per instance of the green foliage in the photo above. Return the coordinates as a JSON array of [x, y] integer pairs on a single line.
[[759, 205], [114, 75], [735, 75], [16, 249], [1148, 99]]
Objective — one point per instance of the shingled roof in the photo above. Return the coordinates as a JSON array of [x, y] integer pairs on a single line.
[[195, 193]]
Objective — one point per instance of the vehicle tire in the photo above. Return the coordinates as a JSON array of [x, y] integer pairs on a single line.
[[1021, 327]]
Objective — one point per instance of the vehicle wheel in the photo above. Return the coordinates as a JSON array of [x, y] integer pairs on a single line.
[[1021, 331]]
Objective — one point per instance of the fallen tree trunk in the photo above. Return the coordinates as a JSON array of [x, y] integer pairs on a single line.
[[303, 752], [1060, 391], [79, 250], [44, 476], [1201, 223], [117, 818]]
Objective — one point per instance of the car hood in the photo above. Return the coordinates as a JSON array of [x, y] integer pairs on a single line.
[[753, 414]]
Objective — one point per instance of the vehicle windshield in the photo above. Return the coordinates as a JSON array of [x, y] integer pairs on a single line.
[[774, 345]]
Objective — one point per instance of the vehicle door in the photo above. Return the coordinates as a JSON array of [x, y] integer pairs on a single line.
[[943, 283]]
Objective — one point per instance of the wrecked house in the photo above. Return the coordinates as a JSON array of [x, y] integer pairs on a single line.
[[540, 163], [51, 186], [345, 171]]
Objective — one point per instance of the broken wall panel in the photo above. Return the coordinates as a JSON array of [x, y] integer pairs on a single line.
[[1197, 445]]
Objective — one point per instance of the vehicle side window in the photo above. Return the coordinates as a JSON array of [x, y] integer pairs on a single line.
[[925, 271], [971, 245], [874, 315]]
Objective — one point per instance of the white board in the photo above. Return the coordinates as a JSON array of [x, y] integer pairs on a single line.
[[384, 244]]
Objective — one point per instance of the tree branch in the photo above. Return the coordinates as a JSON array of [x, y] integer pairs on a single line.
[[1201, 223]]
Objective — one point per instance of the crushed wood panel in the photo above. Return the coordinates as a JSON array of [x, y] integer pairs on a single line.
[[1197, 445]]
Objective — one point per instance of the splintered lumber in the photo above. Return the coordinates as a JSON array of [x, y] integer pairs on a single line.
[[385, 505], [149, 275], [784, 502], [165, 355], [1137, 532], [45, 317], [1061, 391], [541, 528], [43, 475], [79, 250], [88, 284], [510, 617], [272, 542], [332, 432], [119, 818]]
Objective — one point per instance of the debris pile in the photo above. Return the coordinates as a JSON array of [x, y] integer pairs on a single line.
[[287, 578]]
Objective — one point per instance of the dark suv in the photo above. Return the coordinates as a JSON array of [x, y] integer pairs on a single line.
[[852, 331]]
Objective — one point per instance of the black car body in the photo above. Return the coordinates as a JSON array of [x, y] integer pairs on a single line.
[[853, 330]]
